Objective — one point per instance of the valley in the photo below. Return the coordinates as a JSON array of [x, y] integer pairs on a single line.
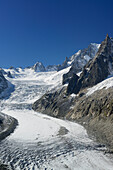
[[40, 141]]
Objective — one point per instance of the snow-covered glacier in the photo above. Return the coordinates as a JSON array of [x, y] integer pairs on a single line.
[[40, 141]]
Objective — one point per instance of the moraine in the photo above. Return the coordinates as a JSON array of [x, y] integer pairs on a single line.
[[43, 142]]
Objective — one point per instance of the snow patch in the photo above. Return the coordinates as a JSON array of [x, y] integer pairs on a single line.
[[87, 58], [104, 84], [73, 95]]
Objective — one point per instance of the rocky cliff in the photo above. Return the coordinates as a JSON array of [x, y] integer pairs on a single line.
[[94, 111], [80, 58], [96, 70]]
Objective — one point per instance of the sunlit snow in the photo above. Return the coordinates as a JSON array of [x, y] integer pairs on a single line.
[[107, 83], [40, 141]]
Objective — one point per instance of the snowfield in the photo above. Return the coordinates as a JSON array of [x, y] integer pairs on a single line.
[[41, 142], [107, 83]]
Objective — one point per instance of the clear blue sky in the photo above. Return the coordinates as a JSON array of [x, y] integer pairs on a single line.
[[50, 30]]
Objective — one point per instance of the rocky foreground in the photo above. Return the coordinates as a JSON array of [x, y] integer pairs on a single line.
[[7, 126]]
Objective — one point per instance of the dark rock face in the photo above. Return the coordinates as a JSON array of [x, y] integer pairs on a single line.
[[7, 125], [3, 82], [9, 74], [95, 112], [13, 68], [68, 76], [73, 81], [55, 104], [95, 70], [2, 71], [80, 59], [64, 65]]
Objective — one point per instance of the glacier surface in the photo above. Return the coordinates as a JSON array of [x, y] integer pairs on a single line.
[[40, 141]]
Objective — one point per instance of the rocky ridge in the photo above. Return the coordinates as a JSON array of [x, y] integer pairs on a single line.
[[95, 111], [80, 58], [96, 70], [3, 82]]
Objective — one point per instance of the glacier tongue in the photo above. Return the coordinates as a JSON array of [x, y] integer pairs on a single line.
[[40, 141]]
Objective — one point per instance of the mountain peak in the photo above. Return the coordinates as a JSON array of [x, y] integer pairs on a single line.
[[107, 37], [95, 70], [38, 67]]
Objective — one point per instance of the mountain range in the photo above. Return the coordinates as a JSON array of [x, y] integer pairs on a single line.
[[86, 97], [79, 59], [86, 92]]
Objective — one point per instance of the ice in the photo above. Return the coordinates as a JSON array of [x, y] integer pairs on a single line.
[[40, 141]]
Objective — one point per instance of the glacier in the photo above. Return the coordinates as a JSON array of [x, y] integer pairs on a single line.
[[41, 141]]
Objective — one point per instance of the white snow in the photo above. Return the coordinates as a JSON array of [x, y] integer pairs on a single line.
[[104, 84], [34, 127], [37, 142], [96, 45], [78, 74], [87, 58], [73, 95]]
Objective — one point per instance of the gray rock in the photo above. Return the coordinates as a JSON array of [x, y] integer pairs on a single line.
[[80, 59], [9, 74], [55, 103], [7, 125], [95, 112], [3, 82], [51, 68], [38, 67], [68, 76], [64, 65], [97, 69]]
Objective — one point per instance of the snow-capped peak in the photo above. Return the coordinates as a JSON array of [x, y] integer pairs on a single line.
[[38, 67], [80, 59]]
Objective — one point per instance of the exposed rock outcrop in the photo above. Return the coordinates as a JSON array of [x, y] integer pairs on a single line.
[[3, 82], [38, 67], [68, 76], [51, 68], [63, 65], [80, 59], [7, 125], [94, 111], [96, 70], [55, 103], [9, 74]]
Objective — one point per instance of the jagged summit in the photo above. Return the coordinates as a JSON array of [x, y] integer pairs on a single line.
[[106, 46], [80, 58], [96, 70], [38, 67]]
